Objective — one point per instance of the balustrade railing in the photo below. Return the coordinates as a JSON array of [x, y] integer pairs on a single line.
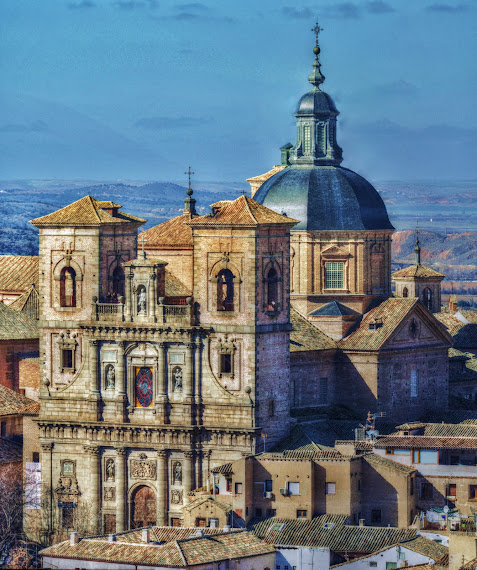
[[165, 314]]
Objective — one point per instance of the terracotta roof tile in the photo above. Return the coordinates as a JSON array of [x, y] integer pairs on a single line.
[[18, 272], [336, 536], [390, 314], [426, 546], [163, 534], [173, 233], [417, 271], [426, 442], [464, 334], [85, 212], [261, 178], [305, 336], [13, 403], [10, 451], [28, 303], [225, 469], [242, 211], [451, 430], [379, 461], [174, 286], [16, 325]]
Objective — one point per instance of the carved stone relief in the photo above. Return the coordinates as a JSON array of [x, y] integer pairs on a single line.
[[143, 469], [176, 497], [109, 493]]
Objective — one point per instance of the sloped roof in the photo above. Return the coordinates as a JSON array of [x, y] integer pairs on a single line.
[[339, 538], [264, 177], [451, 430], [300, 441], [86, 211], [304, 336], [174, 286], [205, 499], [225, 469], [464, 334], [426, 442], [173, 233], [426, 546], [379, 461], [18, 272], [10, 451], [12, 403], [241, 211], [390, 313], [417, 271], [310, 451], [16, 325], [163, 534], [333, 309], [206, 549], [28, 303]]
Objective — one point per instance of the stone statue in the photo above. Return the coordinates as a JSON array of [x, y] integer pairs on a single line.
[[110, 377], [177, 375], [141, 300], [110, 469], [177, 472]]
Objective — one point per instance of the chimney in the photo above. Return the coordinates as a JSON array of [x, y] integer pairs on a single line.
[[361, 522], [74, 538], [111, 538], [145, 535]]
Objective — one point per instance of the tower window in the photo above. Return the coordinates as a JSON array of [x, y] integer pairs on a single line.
[[68, 287], [427, 298], [66, 359], [272, 280], [306, 139], [334, 275], [405, 292], [226, 364], [225, 290]]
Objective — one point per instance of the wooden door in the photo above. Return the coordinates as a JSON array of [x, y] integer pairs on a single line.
[[144, 507]]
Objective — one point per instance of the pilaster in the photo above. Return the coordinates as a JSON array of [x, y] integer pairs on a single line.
[[162, 502], [94, 453], [121, 489]]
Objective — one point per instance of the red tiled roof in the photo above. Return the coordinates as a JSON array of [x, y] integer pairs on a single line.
[[85, 212], [304, 336], [173, 233], [12, 403], [16, 325], [426, 442], [417, 271], [242, 211], [18, 272]]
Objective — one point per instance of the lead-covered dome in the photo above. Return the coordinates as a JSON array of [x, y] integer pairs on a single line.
[[325, 198], [316, 103]]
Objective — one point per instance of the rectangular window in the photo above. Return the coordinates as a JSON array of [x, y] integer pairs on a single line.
[[268, 485], [427, 490], [67, 359], [376, 516], [301, 514], [213, 523], [3, 428], [228, 485], [414, 387], [226, 364], [391, 565], [323, 394], [473, 492], [452, 490], [401, 452], [35, 457], [373, 564], [425, 456], [334, 275], [306, 139], [293, 488], [330, 488], [238, 488]]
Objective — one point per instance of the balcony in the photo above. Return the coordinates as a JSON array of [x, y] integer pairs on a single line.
[[180, 313]]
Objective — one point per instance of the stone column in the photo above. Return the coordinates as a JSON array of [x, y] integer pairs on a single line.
[[162, 502], [93, 369], [121, 489], [46, 492], [121, 397], [188, 475], [152, 297], [189, 371], [198, 387], [161, 393], [94, 490]]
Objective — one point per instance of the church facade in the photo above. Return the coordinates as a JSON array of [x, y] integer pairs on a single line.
[[164, 361]]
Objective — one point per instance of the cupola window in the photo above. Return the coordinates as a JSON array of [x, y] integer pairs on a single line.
[[334, 275], [307, 139], [225, 290], [427, 298], [405, 292]]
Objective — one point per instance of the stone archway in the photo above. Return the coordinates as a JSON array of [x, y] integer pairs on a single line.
[[143, 512]]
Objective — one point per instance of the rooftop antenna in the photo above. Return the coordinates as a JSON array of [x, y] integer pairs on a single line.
[[189, 201]]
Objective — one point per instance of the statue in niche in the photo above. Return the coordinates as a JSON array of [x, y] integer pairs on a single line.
[[141, 299], [177, 377], [110, 377], [177, 469], [110, 469]]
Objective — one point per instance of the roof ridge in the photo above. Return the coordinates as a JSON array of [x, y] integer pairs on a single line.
[[246, 198], [93, 204], [182, 555]]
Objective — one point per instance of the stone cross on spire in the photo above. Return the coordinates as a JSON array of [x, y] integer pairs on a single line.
[[316, 78], [189, 201], [417, 249]]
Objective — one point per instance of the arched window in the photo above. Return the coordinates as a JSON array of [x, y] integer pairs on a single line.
[[225, 290], [143, 507], [272, 289], [68, 287], [427, 298], [405, 292], [118, 281]]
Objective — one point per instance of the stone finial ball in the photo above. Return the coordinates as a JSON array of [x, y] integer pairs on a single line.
[[190, 192], [316, 50]]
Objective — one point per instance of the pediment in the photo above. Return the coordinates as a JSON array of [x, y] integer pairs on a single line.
[[418, 328], [335, 252]]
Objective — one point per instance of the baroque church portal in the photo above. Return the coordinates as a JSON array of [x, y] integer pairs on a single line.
[[162, 363]]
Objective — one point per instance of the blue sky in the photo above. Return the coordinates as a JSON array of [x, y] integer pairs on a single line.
[[140, 89]]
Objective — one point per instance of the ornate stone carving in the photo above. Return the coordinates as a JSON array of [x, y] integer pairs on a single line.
[[120, 451], [46, 446], [109, 494], [176, 497], [177, 377], [177, 472], [162, 453], [143, 469], [110, 469], [110, 377]]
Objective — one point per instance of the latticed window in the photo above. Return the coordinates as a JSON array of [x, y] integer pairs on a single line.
[[306, 139], [334, 275]]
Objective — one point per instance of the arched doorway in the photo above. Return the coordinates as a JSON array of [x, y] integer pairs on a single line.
[[143, 512]]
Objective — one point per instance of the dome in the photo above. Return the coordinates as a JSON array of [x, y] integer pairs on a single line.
[[316, 103], [325, 198]]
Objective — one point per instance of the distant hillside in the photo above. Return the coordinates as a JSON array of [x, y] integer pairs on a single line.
[[455, 255]]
